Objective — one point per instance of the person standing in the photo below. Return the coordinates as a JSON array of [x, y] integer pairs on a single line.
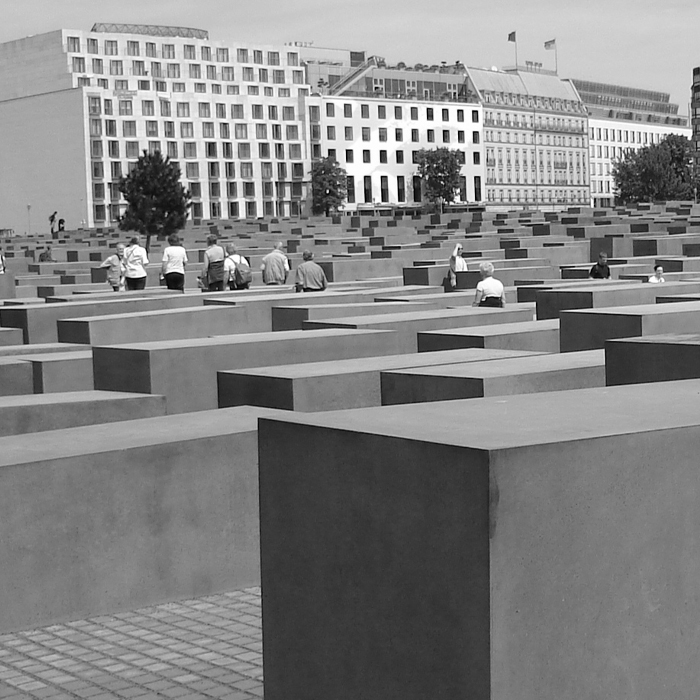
[[457, 264], [658, 276], [135, 261], [3, 266], [310, 276], [115, 268], [237, 273], [174, 261], [213, 269], [52, 222], [275, 266], [601, 270], [490, 291]]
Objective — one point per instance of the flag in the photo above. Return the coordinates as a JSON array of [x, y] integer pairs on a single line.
[[511, 36], [551, 44]]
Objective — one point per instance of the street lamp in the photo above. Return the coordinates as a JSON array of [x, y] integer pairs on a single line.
[[29, 219]]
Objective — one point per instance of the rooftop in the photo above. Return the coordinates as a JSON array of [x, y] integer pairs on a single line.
[[151, 30]]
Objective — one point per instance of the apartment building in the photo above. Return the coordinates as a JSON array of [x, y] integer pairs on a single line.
[[535, 138], [620, 119], [695, 115], [77, 108]]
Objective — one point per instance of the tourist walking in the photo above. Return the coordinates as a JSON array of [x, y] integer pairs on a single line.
[[310, 276], [213, 269], [275, 266], [135, 261], [237, 272], [601, 270], [115, 268], [3, 266], [173, 266], [490, 291]]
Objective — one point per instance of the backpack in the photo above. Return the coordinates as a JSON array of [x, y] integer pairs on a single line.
[[215, 271], [242, 275]]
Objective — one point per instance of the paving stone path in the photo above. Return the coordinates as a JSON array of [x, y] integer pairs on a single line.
[[191, 650]]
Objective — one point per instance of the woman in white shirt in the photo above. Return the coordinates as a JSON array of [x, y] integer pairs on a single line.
[[489, 292], [135, 261], [457, 264], [174, 261]]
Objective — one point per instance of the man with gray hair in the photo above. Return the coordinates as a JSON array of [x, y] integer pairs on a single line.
[[275, 266], [310, 276], [489, 292]]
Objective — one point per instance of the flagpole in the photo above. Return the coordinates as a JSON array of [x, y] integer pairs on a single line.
[[556, 58], [516, 52]]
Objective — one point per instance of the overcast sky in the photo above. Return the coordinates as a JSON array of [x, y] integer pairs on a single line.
[[641, 43]]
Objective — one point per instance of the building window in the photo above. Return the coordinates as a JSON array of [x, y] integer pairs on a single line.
[[366, 156], [349, 156], [398, 134], [116, 68], [244, 150], [129, 128], [350, 189], [368, 189], [347, 110], [295, 150], [292, 59], [132, 149], [364, 111], [187, 130], [257, 112], [417, 197], [348, 133], [151, 128], [414, 113], [475, 116], [382, 134], [190, 149], [330, 109], [168, 50], [383, 157], [431, 135], [192, 171], [278, 77], [384, 188], [288, 113], [74, 44], [78, 64], [445, 115], [401, 188], [366, 133], [111, 48], [92, 46], [429, 114], [476, 156], [273, 58], [475, 137], [399, 157], [330, 133]]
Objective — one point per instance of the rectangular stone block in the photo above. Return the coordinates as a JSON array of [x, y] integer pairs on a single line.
[[602, 293], [10, 336], [499, 377], [61, 371], [15, 377], [473, 549], [35, 413], [588, 329], [184, 371], [654, 358], [330, 386], [39, 322], [105, 518], [532, 336], [408, 325], [142, 326]]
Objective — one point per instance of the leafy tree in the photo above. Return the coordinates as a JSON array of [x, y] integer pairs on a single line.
[[328, 186], [158, 203], [662, 171], [439, 169]]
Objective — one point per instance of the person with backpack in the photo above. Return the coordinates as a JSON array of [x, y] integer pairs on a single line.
[[237, 272], [213, 270]]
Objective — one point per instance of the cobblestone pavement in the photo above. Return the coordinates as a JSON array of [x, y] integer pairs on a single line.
[[192, 650]]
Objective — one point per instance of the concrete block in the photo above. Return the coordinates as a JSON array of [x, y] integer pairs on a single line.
[[61, 371], [653, 358], [10, 336], [518, 375], [407, 325], [588, 329], [35, 413], [473, 549], [330, 386], [7, 286], [142, 326], [15, 377], [105, 518], [532, 336], [184, 371]]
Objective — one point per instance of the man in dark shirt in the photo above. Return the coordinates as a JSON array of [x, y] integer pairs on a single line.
[[601, 270], [310, 276]]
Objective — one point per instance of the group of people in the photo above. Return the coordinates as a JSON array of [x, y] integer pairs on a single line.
[[490, 292], [223, 268], [601, 270]]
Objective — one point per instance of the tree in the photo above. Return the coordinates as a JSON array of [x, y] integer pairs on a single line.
[[662, 171], [158, 203], [328, 186], [439, 169]]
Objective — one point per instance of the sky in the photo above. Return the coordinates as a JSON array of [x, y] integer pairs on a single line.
[[640, 43]]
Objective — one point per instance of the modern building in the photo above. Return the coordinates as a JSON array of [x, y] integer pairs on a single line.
[[376, 117], [77, 108], [621, 119], [535, 137]]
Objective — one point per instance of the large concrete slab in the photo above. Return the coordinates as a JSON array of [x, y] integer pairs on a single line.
[[654, 358], [588, 329], [61, 371], [15, 376], [532, 336], [104, 518], [10, 336], [500, 377], [36, 413], [142, 326], [408, 324], [603, 293], [536, 547], [184, 371], [39, 321], [330, 386]]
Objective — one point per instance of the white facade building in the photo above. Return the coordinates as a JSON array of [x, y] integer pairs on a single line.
[[77, 109]]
